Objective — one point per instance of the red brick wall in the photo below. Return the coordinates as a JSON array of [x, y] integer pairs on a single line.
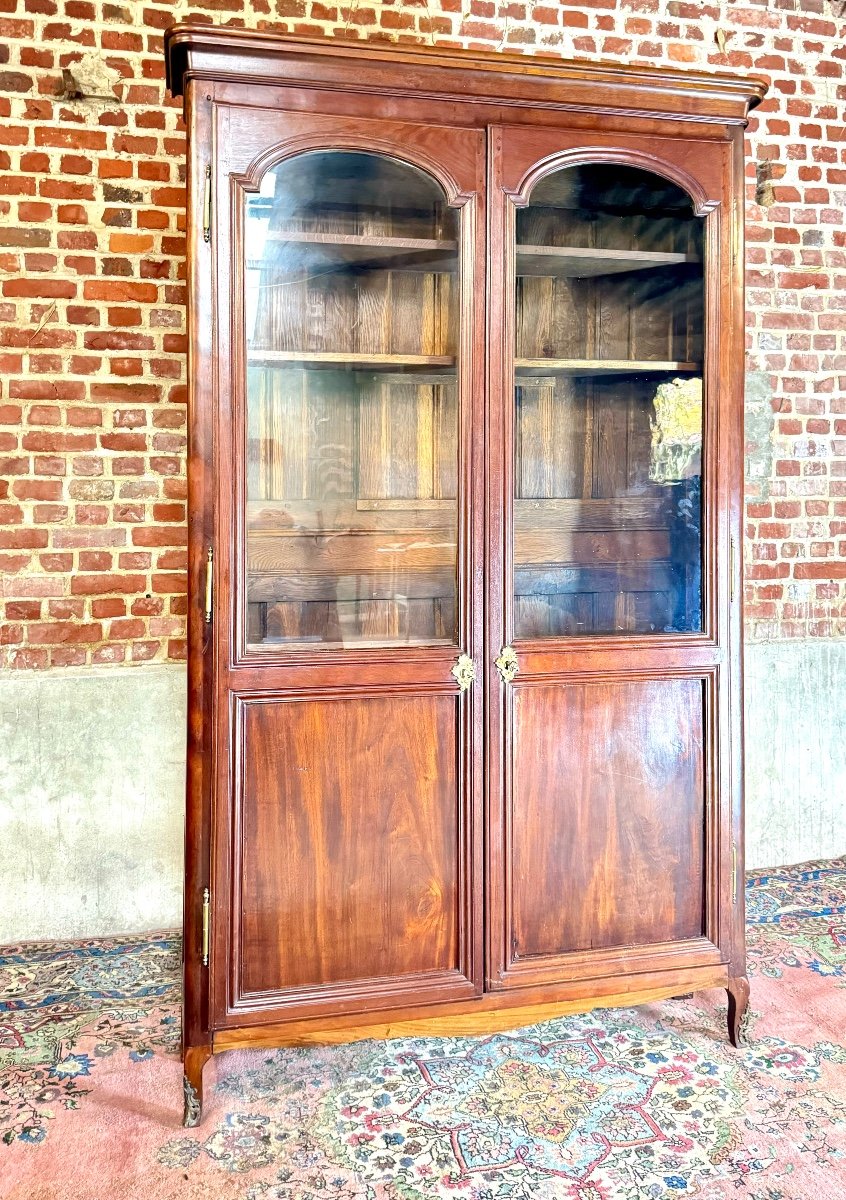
[[92, 376]]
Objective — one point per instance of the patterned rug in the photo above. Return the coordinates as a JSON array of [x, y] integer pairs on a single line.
[[626, 1104]]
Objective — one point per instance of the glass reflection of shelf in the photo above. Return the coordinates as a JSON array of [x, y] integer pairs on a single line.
[[271, 643], [577, 262], [365, 250], [600, 366], [347, 360]]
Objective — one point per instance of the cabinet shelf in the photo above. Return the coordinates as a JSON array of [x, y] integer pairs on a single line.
[[527, 367], [347, 360], [363, 250], [444, 364], [567, 262], [436, 254]]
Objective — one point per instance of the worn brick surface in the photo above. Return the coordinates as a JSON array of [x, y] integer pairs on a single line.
[[92, 375]]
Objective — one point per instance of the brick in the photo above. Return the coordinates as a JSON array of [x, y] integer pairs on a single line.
[[820, 570], [14, 466], [23, 539], [53, 632], [48, 514], [15, 81], [44, 414], [29, 659], [126, 629], [23, 610], [63, 443], [109, 607], [97, 585], [37, 489], [165, 535], [109, 654], [116, 290], [73, 139], [148, 606], [123, 441], [60, 289]]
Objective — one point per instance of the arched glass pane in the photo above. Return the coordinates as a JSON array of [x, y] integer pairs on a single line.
[[351, 307], [608, 406]]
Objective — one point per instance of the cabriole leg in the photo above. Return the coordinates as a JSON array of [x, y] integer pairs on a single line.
[[194, 1059], [738, 1002]]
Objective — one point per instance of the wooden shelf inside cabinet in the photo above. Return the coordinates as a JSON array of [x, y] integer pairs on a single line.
[[625, 512], [528, 367], [346, 360], [577, 262], [360, 250]]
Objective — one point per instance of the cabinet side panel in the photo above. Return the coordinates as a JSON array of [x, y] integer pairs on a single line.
[[608, 829], [348, 820], [202, 348]]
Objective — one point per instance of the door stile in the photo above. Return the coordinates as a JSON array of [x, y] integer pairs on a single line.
[[498, 474], [245, 677]]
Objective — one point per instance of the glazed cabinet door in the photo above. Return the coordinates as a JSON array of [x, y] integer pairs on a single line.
[[349, 271], [612, 826]]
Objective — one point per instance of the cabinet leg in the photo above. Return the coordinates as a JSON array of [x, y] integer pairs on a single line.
[[194, 1059], [738, 1002]]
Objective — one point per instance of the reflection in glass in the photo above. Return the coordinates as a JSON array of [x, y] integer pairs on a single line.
[[608, 406], [351, 327]]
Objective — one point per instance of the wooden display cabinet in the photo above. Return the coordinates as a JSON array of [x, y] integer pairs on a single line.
[[466, 352]]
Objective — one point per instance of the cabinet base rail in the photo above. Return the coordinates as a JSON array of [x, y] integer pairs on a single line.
[[491, 1013]]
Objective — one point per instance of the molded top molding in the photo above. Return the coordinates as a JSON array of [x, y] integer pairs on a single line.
[[472, 77]]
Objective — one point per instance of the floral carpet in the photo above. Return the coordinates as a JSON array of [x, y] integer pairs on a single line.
[[624, 1104]]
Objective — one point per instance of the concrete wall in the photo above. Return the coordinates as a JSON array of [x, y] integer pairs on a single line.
[[92, 772], [795, 751], [92, 769]]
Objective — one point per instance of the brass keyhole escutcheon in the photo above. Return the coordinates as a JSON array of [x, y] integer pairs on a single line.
[[507, 664], [464, 671]]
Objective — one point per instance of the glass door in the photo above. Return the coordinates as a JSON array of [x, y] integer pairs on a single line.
[[605, 670], [350, 615], [353, 329], [609, 300]]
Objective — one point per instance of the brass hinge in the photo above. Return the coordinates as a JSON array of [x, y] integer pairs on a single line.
[[209, 585], [734, 872], [206, 918], [207, 192]]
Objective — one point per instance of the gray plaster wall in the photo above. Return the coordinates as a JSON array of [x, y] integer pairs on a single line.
[[92, 767], [795, 751], [92, 776]]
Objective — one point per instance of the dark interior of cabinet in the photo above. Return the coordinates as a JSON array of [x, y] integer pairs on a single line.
[[352, 313]]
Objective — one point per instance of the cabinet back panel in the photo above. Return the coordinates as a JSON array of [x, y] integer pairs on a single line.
[[588, 519], [608, 815], [347, 864], [330, 451]]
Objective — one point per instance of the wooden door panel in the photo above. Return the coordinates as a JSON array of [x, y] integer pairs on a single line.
[[608, 815], [348, 862]]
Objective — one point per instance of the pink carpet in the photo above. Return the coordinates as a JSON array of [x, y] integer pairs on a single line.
[[635, 1104]]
